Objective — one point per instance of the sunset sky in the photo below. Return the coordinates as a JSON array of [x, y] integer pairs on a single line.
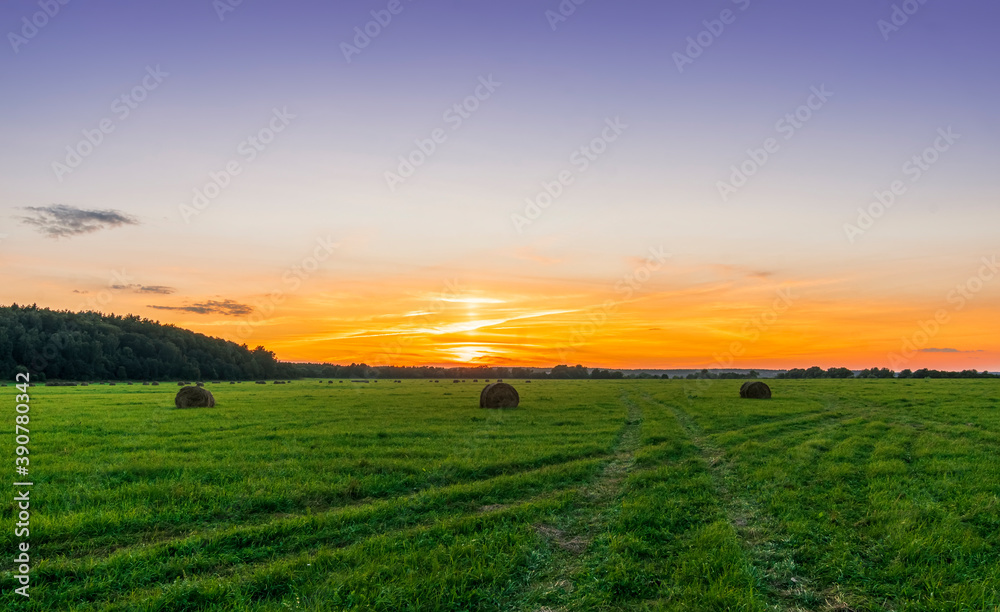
[[504, 183]]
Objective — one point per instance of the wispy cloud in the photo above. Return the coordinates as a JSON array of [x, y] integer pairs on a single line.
[[160, 289], [229, 308], [946, 350], [61, 221]]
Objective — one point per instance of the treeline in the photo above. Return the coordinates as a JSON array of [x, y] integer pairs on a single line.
[[817, 372], [560, 372], [92, 346]]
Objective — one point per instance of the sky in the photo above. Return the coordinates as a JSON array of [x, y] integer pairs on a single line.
[[632, 184]]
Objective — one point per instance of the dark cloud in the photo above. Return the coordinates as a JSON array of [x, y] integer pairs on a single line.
[[61, 221], [946, 350], [161, 289], [155, 289], [226, 307]]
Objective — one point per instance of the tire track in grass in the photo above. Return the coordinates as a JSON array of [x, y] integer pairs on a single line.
[[272, 579], [575, 532], [756, 529], [123, 539], [223, 551]]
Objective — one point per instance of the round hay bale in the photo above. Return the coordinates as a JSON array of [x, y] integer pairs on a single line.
[[743, 388], [755, 390], [499, 395], [194, 397], [156, 384]]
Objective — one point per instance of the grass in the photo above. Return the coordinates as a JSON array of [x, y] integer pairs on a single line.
[[594, 495]]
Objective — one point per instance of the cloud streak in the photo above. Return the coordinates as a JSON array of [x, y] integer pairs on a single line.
[[229, 308], [61, 221], [159, 289]]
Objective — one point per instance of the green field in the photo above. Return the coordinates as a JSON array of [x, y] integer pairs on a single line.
[[593, 495]]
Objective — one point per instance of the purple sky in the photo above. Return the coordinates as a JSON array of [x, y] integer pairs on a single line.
[[224, 74]]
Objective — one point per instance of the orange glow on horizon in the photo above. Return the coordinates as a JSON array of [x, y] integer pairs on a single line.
[[688, 317], [750, 325]]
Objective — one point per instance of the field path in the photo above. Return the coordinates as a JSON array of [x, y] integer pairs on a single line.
[[574, 533], [756, 529]]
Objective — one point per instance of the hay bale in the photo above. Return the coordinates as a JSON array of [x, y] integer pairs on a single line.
[[155, 384], [743, 388], [755, 390], [194, 397], [499, 395]]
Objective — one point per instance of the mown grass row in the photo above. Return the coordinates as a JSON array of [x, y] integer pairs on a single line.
[[881, 496], [664, 541], [616, 495], [126, 516]]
